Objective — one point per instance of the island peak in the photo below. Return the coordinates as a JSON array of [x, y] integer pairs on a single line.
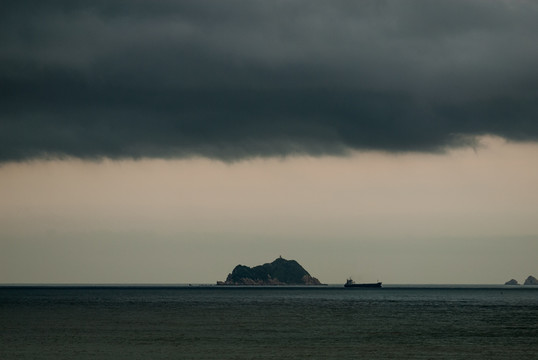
[[278, 272]]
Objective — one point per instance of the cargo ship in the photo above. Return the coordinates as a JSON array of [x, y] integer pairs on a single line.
[[352, 284]]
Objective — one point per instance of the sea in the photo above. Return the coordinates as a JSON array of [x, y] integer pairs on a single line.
[[220, 322]]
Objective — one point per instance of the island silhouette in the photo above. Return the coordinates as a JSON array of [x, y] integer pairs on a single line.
[[531, 280], [278, 272]]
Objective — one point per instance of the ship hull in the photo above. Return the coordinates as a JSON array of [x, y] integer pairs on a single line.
[[368, 285]]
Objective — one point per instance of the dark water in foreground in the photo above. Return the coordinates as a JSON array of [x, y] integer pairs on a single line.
[[268, 323]]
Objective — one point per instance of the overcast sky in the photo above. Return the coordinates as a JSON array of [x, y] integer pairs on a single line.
[[168, 141]]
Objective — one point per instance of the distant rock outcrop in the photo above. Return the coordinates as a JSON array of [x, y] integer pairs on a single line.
[[279, 272], [531, 280], [511, 282]]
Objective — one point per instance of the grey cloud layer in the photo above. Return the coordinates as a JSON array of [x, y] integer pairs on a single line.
[[235, 79]]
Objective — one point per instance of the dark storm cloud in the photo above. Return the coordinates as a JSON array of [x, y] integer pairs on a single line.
[[235, 79]]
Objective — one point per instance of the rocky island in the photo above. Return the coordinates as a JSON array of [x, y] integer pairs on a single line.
[[279, 272], [531, 280]]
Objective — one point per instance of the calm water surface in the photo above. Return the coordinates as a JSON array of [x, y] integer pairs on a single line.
[[268, 323]]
